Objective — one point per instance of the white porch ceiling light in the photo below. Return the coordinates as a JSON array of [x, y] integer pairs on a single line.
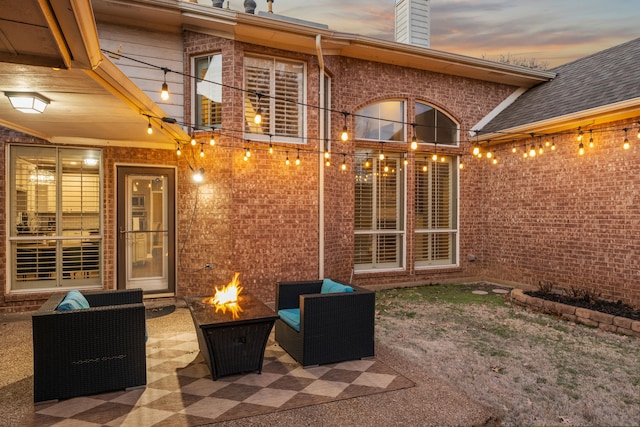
[[28, 102]]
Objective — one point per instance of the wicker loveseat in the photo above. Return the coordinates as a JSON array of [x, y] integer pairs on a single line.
[[92, 350], [334, 327]]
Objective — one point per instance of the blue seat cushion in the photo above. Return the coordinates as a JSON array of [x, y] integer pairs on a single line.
[[291, 316], [331, 287], [74, 300]]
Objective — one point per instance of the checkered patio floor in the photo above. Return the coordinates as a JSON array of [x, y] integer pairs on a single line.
[[181, 392]]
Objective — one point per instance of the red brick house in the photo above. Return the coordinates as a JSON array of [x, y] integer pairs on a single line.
[[94, 201]]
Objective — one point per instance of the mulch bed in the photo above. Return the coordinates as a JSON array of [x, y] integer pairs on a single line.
[[613, 308]]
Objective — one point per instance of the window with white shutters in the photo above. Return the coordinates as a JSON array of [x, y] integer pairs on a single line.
[[274, 87], [55, 213], [435, 238], [208, 91], [379, 211]]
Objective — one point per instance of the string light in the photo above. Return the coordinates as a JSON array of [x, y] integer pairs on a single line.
[[298, 158], [532, 151], [286, 162], [591, 138], [247, 153], [344, 163], [461, 166], [626, 144], [327, 158], [435, 154], [414, 138], [495, 159], [212, 141], [553, 144], [344, 136], [580, 133], [193, 139], [381, 151], [149, 128], [202, 149], [581, 149], [257, 119], [164, 93], [270, 145], [178, 151]]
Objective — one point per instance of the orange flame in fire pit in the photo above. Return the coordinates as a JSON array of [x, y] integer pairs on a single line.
[[226, 298]]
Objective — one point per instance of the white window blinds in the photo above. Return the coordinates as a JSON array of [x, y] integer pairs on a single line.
[[276, 88]]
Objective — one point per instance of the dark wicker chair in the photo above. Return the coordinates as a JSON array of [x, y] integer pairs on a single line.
[[333, 327], [88, 351]]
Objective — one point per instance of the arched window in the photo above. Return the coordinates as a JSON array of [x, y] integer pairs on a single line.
[[382, 121], [433, 126]]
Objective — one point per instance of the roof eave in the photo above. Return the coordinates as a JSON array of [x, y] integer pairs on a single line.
[[584, 119]]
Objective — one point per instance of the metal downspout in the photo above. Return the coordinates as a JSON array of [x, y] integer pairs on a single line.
[[321, 140]]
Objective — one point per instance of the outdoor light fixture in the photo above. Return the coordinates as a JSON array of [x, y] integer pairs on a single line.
[[28, 102], [258, 117], [626, 144], [198, 176], [414, 138], [344, 136], [164, 94]]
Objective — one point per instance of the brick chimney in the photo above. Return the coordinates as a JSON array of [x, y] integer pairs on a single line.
[[412, 22]]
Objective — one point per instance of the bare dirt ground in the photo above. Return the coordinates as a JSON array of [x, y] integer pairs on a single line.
[[535, 369]]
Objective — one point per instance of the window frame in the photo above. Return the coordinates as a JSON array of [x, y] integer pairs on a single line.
[[68, 244], [400, 231], [454, 212], [362, 117], [269, 100], [196, 113], [456, 136]]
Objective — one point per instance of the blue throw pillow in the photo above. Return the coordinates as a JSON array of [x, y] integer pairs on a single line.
[[74, 300], [331, 287], [291, 316]]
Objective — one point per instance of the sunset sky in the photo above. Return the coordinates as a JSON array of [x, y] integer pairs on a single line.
[[550, 31]]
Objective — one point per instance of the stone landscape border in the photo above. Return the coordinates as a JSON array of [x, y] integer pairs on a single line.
[[604, 321]]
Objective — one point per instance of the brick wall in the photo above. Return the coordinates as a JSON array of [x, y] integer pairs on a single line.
[[565, 218]]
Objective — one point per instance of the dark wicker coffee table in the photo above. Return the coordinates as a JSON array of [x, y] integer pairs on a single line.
[[232, 346]]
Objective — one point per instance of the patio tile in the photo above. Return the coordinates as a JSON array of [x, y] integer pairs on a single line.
[[181, 392]]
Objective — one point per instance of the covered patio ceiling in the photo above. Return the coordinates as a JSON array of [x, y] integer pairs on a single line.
[[52, 48]]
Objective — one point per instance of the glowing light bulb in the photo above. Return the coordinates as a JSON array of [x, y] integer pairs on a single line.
[[327, 155], [626, 144], [414, 143], [581, 149], [434, 157], [327, 163], [495, 160], [532, 151], [178, 152], [257, 119], [461, 166], [287, 162], [424, 168], [270, 148], [489, 154], [193, 141], [201, 152], [476, 151], [344, 136], [212, 141], [386, 168], [381, 156], [149, 129], [344, 166], [164, 94], [514, 149]]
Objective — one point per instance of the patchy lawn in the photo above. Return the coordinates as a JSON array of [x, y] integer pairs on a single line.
[[537, 369]]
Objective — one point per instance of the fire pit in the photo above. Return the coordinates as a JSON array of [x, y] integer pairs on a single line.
[[232, 335]]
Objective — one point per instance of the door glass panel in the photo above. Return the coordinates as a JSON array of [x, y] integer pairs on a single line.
[[147, 232]]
